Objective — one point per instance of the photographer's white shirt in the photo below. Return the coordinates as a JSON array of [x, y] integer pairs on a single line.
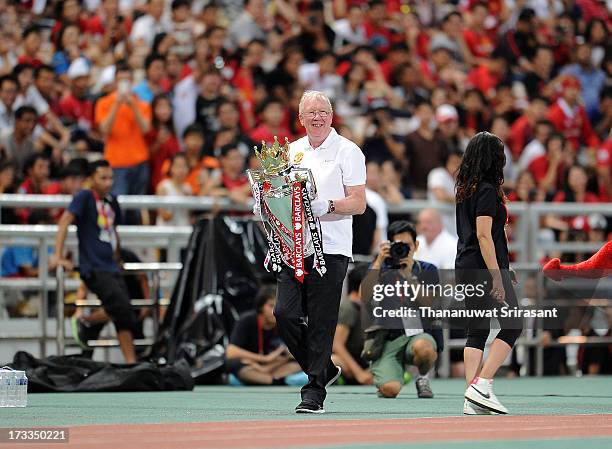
[[338, 162]]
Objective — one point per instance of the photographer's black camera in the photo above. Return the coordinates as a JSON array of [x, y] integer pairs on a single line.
[[397, 252]]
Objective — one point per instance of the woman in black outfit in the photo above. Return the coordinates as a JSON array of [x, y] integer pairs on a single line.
[[482, 256]]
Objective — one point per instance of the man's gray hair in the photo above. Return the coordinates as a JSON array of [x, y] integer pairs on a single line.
[[312, 95]]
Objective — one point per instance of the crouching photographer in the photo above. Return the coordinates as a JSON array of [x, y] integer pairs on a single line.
[[395, 341]]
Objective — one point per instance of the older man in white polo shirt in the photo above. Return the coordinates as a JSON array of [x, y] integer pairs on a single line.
[[307, 312], [436, 244]]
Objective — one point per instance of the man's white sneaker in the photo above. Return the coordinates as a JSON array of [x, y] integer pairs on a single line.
[[480, 393], [473, 409]]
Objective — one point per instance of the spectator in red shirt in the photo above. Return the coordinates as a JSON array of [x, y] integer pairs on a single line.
[[440, 61], [109, 25], [36, 182], [272, 114], [399, 54], [522, 129], [244, 80], [570, 117], [604, 168], [71, 179], [475, 34], [575, 190], [378, 34], [230, 182], [161, 138], [487, 76], [68, 11], [76, 108], [31, 46], [549, 168]]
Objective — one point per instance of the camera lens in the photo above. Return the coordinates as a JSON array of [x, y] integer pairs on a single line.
[[399, 250]]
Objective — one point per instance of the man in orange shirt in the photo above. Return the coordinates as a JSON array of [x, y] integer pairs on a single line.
[[123, 121]]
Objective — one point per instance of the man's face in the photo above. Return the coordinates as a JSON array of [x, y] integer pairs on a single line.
[[173, 65], [377, 13], [32, 42], [156, 8], [273, 114], [102, 180], [8, 93], [449, 127], [44, 82], [156, 71], [194, 143], [355, 17], [232, 162], [428, 226], [181, 14], [71, 184], [538, 109], [228, 115], [317, 127], [255, 54], [479, 14], [441, 57], [217, 38], [80, 85], [583, 55], [26, 124], [211, 84], [571, 95], [373, 176], [327, 65], [26, 78], [425, 113], [40, 170], [544, 59]]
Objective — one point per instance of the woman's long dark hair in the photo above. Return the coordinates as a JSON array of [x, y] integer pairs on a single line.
[[483, 161], [154, 120]]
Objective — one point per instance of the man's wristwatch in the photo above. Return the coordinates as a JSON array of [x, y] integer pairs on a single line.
[[331, 208]]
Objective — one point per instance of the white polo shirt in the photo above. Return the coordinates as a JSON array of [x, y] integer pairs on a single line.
[[338, 162], [441, 252]]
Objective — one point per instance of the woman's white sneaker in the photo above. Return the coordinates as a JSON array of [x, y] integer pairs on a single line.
[[473, 409], [480, 393]]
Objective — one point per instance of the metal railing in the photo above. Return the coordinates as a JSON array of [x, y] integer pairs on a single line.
[[525, 245], [132, 268], [174, 238]]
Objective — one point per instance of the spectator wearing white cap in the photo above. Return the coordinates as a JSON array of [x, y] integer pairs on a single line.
[[77, 107], [447, 118]]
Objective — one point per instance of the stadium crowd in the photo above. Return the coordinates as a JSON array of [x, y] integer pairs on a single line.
[[174, 94]]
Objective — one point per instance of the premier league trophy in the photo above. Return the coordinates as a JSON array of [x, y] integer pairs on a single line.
[[284, 192]]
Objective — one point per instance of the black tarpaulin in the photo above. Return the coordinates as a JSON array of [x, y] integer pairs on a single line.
[[222, 271]]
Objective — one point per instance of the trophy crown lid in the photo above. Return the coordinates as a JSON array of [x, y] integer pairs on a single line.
[[274, 158]]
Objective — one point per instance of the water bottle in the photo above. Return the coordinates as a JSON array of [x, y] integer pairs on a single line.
[[22, 396], [13, 388], [3, 389]]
